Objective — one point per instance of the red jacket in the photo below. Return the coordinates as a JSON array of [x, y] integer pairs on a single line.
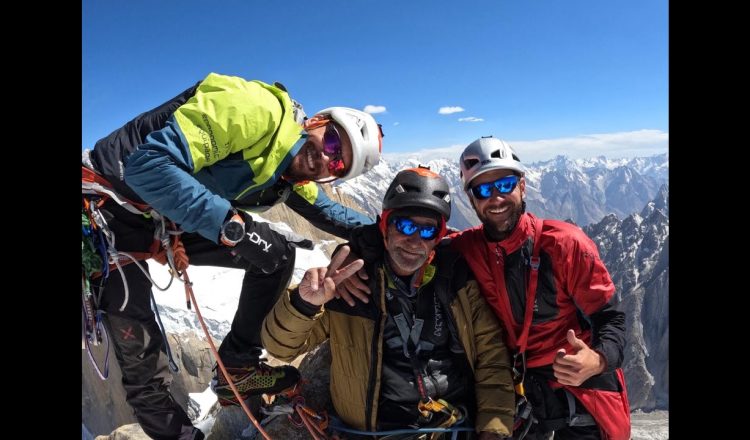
[[574, 290], [571, 277]]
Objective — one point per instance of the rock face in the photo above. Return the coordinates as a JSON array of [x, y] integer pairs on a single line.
[[103, 402], [636, 252], [131, 431]]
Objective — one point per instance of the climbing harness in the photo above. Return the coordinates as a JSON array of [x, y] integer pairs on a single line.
[[167, 249], [321, 426], [100, 257]]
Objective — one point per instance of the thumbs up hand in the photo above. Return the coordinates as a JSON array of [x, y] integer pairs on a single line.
[[575, 367]]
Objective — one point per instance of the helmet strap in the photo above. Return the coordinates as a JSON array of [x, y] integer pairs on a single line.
[[315, 122]]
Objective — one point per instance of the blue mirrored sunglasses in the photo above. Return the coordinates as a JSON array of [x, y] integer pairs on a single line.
[[407, 226], [505, 185]]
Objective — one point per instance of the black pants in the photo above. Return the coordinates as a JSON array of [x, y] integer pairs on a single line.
[[138, 343], [567, 433], [557, 408]]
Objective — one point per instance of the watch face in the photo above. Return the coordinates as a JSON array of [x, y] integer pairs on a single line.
[[233, 231]]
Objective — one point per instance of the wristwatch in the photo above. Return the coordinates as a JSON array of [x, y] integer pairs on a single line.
[[233, 230]]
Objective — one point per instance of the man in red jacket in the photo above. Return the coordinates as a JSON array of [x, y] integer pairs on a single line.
[[545, 281], [555, 298]]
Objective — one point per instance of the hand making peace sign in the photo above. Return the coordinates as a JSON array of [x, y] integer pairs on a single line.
[[318, 286]]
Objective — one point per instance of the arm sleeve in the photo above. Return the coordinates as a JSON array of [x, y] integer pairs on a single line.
[[159, 171], [608, 335], [312, 203], [286, 332], [594, 294], [225, 115], [494, 386]]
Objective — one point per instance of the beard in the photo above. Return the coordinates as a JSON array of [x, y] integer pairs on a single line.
[[298, 169], [406, 263], [500, 231]]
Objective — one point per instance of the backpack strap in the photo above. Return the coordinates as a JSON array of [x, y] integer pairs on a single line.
[[524, 417], [531, 287]]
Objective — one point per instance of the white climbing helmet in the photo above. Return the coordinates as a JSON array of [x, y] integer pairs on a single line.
[[486, 154], [365, 134]]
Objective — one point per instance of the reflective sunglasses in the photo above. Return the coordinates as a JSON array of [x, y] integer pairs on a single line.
[[407, 226], [505, 185], [333, 149]]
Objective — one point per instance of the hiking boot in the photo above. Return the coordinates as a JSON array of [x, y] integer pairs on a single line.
[[253, 381]]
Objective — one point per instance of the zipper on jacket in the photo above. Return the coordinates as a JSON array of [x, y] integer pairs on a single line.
[[498, 256], [377, 337]]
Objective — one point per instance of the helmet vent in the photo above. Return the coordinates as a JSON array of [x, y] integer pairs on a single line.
[[497, 154], [442, 195], [469, 163]]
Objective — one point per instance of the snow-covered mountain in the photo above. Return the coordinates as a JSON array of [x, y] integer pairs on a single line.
[[583, 190], [636, 252], [633, 242]]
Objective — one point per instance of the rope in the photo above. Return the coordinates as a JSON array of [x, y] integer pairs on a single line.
[[172, 364], [338, 425], [189, 292]]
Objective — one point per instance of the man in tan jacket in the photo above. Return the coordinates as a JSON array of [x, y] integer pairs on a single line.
[[425, 350]]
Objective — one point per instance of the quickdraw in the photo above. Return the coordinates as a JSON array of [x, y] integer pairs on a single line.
[[172, 252], [100, 256], [321, 426], [302, 415]]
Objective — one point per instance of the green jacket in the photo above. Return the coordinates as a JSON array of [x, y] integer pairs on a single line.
[[224, 142], [356, 338]]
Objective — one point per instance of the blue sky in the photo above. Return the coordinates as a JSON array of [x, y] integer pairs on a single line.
[[575, 77]]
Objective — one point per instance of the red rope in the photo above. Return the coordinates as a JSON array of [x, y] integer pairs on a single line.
[[189, 292]]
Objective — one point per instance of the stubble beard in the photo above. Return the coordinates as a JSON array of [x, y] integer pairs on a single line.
[[501, 232]]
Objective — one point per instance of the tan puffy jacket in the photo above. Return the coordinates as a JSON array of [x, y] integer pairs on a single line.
[[356, 335]]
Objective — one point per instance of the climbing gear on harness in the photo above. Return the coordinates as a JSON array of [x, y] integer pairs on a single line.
[[432, 413], [99, 256], [96, 187], [93, 259]]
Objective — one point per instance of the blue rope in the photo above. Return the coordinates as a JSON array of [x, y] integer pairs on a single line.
[[101, 247], [339, 426]]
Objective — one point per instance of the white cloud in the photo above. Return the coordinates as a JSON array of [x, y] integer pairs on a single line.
[[374, 109], [396, 123], [449, 110], [470, 119], [626, 144], [613, 145]]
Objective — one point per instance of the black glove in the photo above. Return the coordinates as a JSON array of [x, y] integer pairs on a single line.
[[267, 247]]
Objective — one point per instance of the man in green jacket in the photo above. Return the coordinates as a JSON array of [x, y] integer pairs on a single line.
[[222, 148], [426, 342]]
